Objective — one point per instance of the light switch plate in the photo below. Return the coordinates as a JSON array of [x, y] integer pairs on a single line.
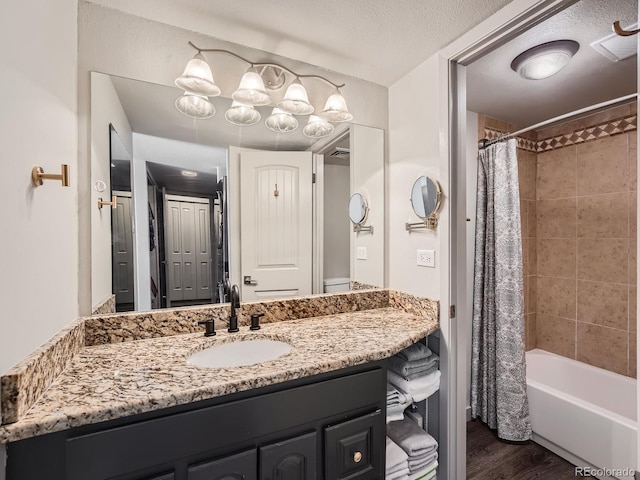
[[361, 253], [426, 258]]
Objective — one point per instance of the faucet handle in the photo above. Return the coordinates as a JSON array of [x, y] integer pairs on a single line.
[[209, 327], [255, 321]]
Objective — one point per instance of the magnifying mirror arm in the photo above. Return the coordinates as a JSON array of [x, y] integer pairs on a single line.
[[431, 222], [358, 227]]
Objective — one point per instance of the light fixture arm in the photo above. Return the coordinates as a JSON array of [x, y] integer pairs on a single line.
[[253, 64]]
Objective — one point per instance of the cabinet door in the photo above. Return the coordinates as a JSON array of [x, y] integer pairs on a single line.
[[293, 459], [242, 466], [167, 476], [355, 449]]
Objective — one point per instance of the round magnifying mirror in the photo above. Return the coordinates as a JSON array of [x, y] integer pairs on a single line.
[[425, 197], [357, 209]]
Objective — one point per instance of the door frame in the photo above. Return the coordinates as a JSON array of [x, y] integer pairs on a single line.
[[509, 22]]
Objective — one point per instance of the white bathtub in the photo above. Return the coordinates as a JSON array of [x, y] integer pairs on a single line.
[[585, 414]]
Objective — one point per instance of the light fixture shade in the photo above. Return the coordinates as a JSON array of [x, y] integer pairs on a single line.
[[317, 127], [242, 115], [195, 106], [281, 122], [335, 110], [251, 90], [296, 100], [544, 60], [197, 78]]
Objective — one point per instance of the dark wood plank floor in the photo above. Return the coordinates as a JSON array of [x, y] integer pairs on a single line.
[[489, 458]]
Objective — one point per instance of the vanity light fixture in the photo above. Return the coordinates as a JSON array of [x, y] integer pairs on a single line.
[[242, 115], [317, 127], [281, 122], [188, 173], [197, 83], [544, 60]]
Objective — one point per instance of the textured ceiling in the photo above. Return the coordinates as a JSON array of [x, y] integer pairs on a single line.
[[496, 90], [375, 40]]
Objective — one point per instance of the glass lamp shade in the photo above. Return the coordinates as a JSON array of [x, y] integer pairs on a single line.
[[195, 106], [335, 110], [296, 100], [198, 79], [317, 128], [544, 60], [251, 90], [242, 115], [281, 122]]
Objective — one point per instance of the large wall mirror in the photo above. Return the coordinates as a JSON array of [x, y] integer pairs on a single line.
[[202, 203]]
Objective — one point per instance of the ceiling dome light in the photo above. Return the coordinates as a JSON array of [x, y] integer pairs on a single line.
[[281, 122], [242, 115], [197, 78], [296, 100], [544, 60], [251, 89], [195, 106], [317, 127], [335, 110]]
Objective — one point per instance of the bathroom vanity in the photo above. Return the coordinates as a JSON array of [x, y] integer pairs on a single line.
[[126, 403]]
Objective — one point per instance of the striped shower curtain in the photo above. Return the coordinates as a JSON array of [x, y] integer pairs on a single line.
[[498, 375]]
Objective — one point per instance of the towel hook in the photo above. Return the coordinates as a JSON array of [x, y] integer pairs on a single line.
[[622, 32], [38, 175]]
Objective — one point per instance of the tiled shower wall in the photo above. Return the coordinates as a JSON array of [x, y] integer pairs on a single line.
[[527, 179], [578, 184], [586, 237]]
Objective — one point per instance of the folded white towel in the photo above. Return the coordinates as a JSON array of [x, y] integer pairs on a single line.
[[420, 463], [419, 388], [415, 352], [399, 475], [395, 456]]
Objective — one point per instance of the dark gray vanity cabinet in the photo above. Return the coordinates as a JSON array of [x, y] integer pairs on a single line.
[[329, 426], [236, 467]]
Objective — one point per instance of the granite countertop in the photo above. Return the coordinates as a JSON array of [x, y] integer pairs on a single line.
[[111, 381]]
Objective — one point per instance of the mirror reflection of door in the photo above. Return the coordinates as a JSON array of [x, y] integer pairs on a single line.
[[276, 214]]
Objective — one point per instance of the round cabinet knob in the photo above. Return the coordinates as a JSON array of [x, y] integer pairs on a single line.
[[357, 457]]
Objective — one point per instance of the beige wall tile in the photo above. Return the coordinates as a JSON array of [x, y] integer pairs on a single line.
[[495, 124], [605, 304], [633, 355], [603, 166], [556, 218], [633, 214], [604, 116], [524, 218], [556, 257], [604, 260], [533, 257], [556, 173], [603, 216], [603, 347], [531, 221], [527, 174], [632, 141], [526, 261], [531, 294], [555, 130], [633, 266], [556, 297], [530, 331], [633, 308], [556, 335]]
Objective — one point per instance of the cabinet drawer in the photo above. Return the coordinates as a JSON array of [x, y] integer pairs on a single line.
[[242, 466], [353, 449], [168, 476]]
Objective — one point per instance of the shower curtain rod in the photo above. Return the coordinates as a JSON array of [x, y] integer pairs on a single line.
[[485, 143]]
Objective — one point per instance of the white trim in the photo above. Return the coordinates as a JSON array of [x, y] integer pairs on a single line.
[[318, 224]]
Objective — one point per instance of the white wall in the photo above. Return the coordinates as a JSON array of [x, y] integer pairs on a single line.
[[105, 110], [414, 145], [337, 226], [39, 254]]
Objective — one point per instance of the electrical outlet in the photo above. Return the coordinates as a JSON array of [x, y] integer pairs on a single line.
[[426, 258], [361, 253]]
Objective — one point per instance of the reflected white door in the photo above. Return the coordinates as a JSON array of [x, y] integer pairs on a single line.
[[275, 224]]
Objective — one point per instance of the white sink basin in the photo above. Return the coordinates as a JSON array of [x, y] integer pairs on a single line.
[[237, 354]]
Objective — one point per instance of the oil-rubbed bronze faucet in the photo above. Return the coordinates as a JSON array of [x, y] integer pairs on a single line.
[[234, 298]]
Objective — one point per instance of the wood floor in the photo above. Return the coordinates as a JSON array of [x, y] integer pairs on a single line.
[[491, 459]]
